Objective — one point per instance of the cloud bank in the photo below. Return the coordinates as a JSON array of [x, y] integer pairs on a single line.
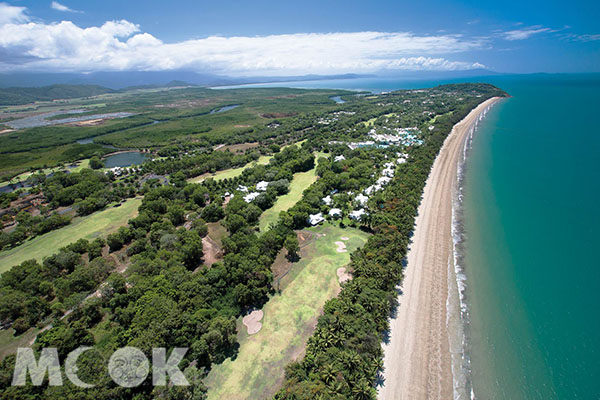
[[121, 45]]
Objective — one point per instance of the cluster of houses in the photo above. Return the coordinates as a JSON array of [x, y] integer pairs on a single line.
[[361, 199], [250, 196], [333, 117]]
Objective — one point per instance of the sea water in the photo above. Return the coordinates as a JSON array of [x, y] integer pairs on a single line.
[[532, 219]]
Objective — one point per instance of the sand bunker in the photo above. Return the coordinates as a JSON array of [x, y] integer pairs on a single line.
[[252, 321], [343, 275], [341, 247], [345, 238]]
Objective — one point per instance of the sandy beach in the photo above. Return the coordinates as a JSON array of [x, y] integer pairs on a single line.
[[417, 358]]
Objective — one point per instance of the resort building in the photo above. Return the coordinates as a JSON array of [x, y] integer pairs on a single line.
[[315, 219], [251, 196], [357, 215], [262, 186], [335, 213], [362, 199]]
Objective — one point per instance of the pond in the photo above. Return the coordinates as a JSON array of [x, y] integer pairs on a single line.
[[225, 108], [125, 159], [90, 140], [338, 99]]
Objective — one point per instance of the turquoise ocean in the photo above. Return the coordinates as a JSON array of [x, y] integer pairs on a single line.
[[530, 223]]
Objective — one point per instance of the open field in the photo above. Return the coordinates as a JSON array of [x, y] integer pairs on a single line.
[[231, 172], [289, 318], [98, 224], [10, 343], [301, 181], [371, 121]]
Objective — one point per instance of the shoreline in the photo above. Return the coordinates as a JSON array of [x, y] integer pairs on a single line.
[[417, 359]]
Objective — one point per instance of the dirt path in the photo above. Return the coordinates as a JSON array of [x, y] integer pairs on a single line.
[[417, 358], [212, 251]]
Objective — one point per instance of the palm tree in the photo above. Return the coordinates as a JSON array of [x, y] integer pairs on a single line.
[[363, 391], [328, 374]]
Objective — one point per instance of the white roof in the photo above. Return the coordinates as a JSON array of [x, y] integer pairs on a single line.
[[262, 186], [251, 196], [242, 188], [362, 199], [384, 180], [373, 188], [357, 214], [335, 211], [327, 200], [339, 158], [389, 172], [315, 219]]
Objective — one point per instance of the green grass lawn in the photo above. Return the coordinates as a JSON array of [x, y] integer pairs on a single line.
[[230, 173], [98, 224], [9, 343], [289, 319], [301, 181]]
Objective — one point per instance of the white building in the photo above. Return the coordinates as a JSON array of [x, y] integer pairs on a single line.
[[251, 196], [384, 180], [262, 186], [241, 188], [327, 200], [117, 171], [357, 215], [372, 189], [362, 199], [315, 219], [335, 213], [339, 158], [389, 172]]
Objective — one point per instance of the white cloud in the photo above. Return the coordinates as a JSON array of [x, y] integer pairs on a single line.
[[525, 33], [11, 14], [120, 45], [584, 38], [61, 7]]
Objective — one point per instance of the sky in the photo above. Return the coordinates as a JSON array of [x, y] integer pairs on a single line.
[[283, 38]]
